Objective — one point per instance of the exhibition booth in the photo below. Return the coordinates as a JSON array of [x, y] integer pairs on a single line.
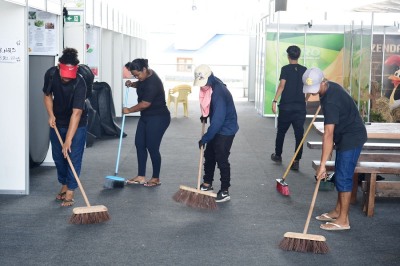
[[357, 50], [34, 33]]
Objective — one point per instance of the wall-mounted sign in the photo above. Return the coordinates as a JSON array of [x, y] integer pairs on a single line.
[[42, 32], [73, 18], [10, 51]]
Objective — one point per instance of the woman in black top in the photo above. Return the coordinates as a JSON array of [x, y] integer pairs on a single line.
[[154, 120]]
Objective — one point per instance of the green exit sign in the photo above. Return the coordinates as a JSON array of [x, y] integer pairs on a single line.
[[73, 18]]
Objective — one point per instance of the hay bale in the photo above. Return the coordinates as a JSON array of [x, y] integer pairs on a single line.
[[396, 115], [382, 107]]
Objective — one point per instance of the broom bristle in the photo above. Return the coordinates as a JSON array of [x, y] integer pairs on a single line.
[[282, 187], [89, 215], [110, 184], [181, 196], [201, 201], [114, 182], [302, 242], [285, 191], [304, 245], [192, 199], [196, 198], [209, 203], [197, 201], [89, 218]]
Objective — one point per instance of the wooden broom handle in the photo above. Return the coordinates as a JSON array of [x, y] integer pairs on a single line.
[[73, 169], [301, 143], [311, 206], [203, 126]]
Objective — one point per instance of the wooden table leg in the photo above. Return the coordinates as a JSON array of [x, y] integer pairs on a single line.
[[353, 199], [371, 195]]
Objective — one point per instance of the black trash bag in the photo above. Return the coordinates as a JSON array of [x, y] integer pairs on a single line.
[[93, 127], [102, 102]]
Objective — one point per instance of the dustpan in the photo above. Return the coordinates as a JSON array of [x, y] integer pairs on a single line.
[[327, 184]]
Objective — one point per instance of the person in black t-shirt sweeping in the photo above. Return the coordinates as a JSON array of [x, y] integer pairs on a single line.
[[343, 128], [64, 99], [153, 122], [292, 105]]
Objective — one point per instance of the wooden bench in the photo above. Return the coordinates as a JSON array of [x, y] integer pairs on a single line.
[[371, 164], [390, 189], [367, 146]]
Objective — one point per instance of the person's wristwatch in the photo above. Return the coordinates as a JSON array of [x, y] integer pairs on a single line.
[[274, 101]]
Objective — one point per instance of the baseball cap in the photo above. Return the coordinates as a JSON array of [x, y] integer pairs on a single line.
[[201, 75], [68, 71], [312, 79]]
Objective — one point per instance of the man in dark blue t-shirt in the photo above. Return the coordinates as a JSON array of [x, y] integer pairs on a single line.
[[292, 105], [344, 128]]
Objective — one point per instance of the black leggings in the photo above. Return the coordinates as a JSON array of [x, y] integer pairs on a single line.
[[217, 152], [149, 133]]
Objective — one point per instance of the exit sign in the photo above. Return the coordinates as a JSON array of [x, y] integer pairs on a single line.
[[73, 18]]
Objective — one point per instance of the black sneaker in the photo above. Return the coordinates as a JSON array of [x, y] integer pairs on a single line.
[[295, 165], [222, 196], [206, 188], [276, 158]]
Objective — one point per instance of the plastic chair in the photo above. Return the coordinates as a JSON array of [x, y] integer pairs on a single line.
[[179, 94]]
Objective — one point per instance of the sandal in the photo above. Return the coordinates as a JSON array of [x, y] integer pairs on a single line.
[[152, 184], [67, 202], [135, 181], [61, 196]]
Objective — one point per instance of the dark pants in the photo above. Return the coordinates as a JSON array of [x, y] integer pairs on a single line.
[[149, 133], [285, 119], [64, 172], [217, 152]]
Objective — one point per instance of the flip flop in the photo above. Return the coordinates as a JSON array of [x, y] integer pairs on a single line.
[[61, 196], [134, 182], [335, 227], [152, 184], [325, 218], [67, 203]]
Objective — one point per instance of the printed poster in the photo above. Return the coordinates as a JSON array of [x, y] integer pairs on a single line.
[[42, 33]]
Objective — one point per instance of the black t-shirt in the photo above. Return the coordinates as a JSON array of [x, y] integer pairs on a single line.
[[152, 90], [340, 109], [66, 96], [292, 98]]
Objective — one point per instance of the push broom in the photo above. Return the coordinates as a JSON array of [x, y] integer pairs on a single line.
[[281, 186], [89, 214], [303, 242], [194, 197], [115, 181]]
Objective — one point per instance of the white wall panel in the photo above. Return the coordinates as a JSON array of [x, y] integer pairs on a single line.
[[54, 6], [14, 143], [117, 72], [97, 14], [38, 4], [89, 12]]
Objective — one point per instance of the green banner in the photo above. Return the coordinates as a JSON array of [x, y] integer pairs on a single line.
[[324, 51]]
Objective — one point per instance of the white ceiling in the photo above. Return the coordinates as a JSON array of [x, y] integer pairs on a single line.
[[232, 15], [391, 6]]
